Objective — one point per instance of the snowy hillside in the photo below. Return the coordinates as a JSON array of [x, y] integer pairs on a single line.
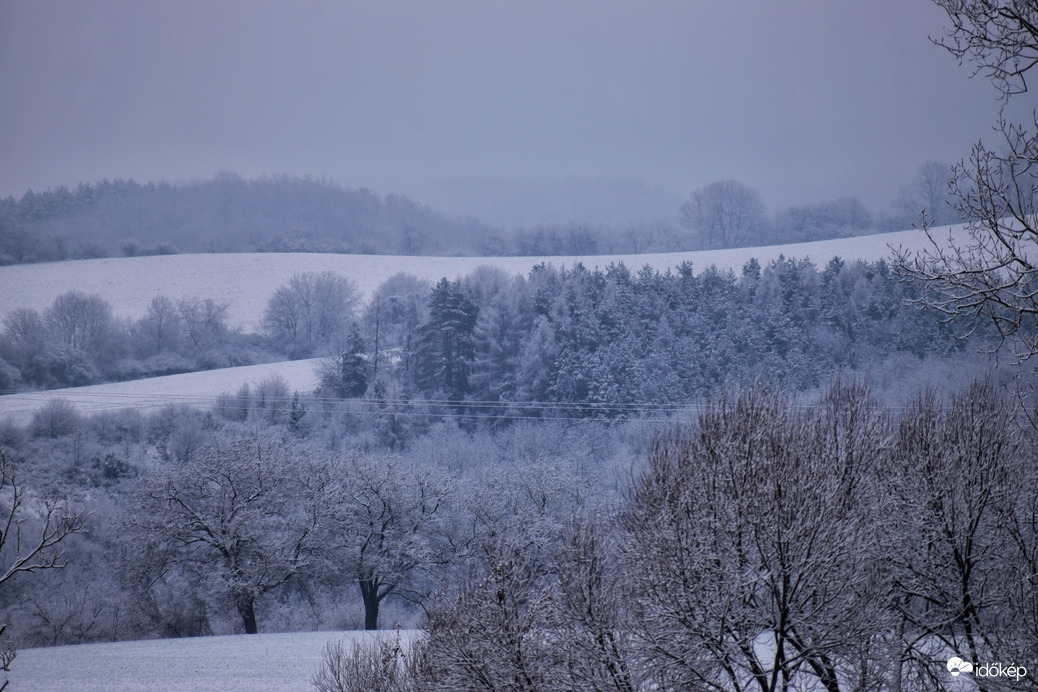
[[239, 663], [246, 281], [148, 395]]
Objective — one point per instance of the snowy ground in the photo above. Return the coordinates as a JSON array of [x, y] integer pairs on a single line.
[[237, 663], [192, 389], [246, 281]]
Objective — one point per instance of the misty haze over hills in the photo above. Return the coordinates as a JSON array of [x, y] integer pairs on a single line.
[[514, 203], [476, 216]]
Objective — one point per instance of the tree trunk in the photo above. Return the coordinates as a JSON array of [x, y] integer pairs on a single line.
[[369, 591], [246, 607]]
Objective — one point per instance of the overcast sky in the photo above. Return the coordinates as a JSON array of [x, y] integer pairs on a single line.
[[804, 100]]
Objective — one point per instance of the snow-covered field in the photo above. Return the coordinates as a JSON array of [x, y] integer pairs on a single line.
[[236, 663], [191, 389], [246, 281]]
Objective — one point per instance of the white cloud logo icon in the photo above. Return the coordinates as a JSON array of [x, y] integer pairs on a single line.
[[956, 665]]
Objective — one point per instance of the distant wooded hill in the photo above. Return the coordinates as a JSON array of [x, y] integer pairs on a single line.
[[286, 214], [227, 214]]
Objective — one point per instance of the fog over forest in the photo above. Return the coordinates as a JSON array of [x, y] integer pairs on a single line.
[[786, 472]]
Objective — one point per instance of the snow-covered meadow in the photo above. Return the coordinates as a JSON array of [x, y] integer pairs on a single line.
[[148, 395], [234, 663], [247, 280]]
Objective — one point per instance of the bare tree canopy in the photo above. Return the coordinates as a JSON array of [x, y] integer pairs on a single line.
[[232, 515], [311, 311], [724, 214], [32, 531], [999, 38], [991, 275]]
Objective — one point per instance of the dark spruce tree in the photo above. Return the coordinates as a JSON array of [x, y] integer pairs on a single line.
[[353, 366], [444, 351]]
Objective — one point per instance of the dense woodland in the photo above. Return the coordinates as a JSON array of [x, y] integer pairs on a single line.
[[759, 538], [489, 457], [608, 339]]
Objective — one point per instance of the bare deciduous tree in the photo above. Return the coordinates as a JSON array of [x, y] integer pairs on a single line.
[[495, 635], [751, 549], [32, 530], [991, 275], [235, 515], [79, 321], [590, 614], [962, 552], [381, 528], [205, 321], [381, 664], [725, 214], [311, 311], [162, 326], [930, 193], [1000, 37], [33, 527], [26, 332]]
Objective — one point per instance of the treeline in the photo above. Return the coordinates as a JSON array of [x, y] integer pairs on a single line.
[[611, 340], [77, 341], [185, 522], [226, 214], [503, 346], [286, 214]]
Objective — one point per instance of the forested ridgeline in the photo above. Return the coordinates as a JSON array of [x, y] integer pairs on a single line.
[[607, 339], [227, 214], [115, 218]]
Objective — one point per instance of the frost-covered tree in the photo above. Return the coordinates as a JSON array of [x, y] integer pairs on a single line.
[[929, 194], [34, 530], [80, 322], [311, 312], [963, 538], [353, 366], [989, 277], [381, 527], [751, 548], [205, 322], [504, 321], [235, 515], [444, 351], [724, 214], [161, 328]]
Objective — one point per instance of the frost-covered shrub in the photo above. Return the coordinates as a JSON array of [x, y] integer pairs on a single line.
[[56, 418], [381, 664]]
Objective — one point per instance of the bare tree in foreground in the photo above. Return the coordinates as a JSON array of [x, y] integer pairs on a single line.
[[991, 275], [751, 548], [1000, 37], [963, 540], [32, 530]]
